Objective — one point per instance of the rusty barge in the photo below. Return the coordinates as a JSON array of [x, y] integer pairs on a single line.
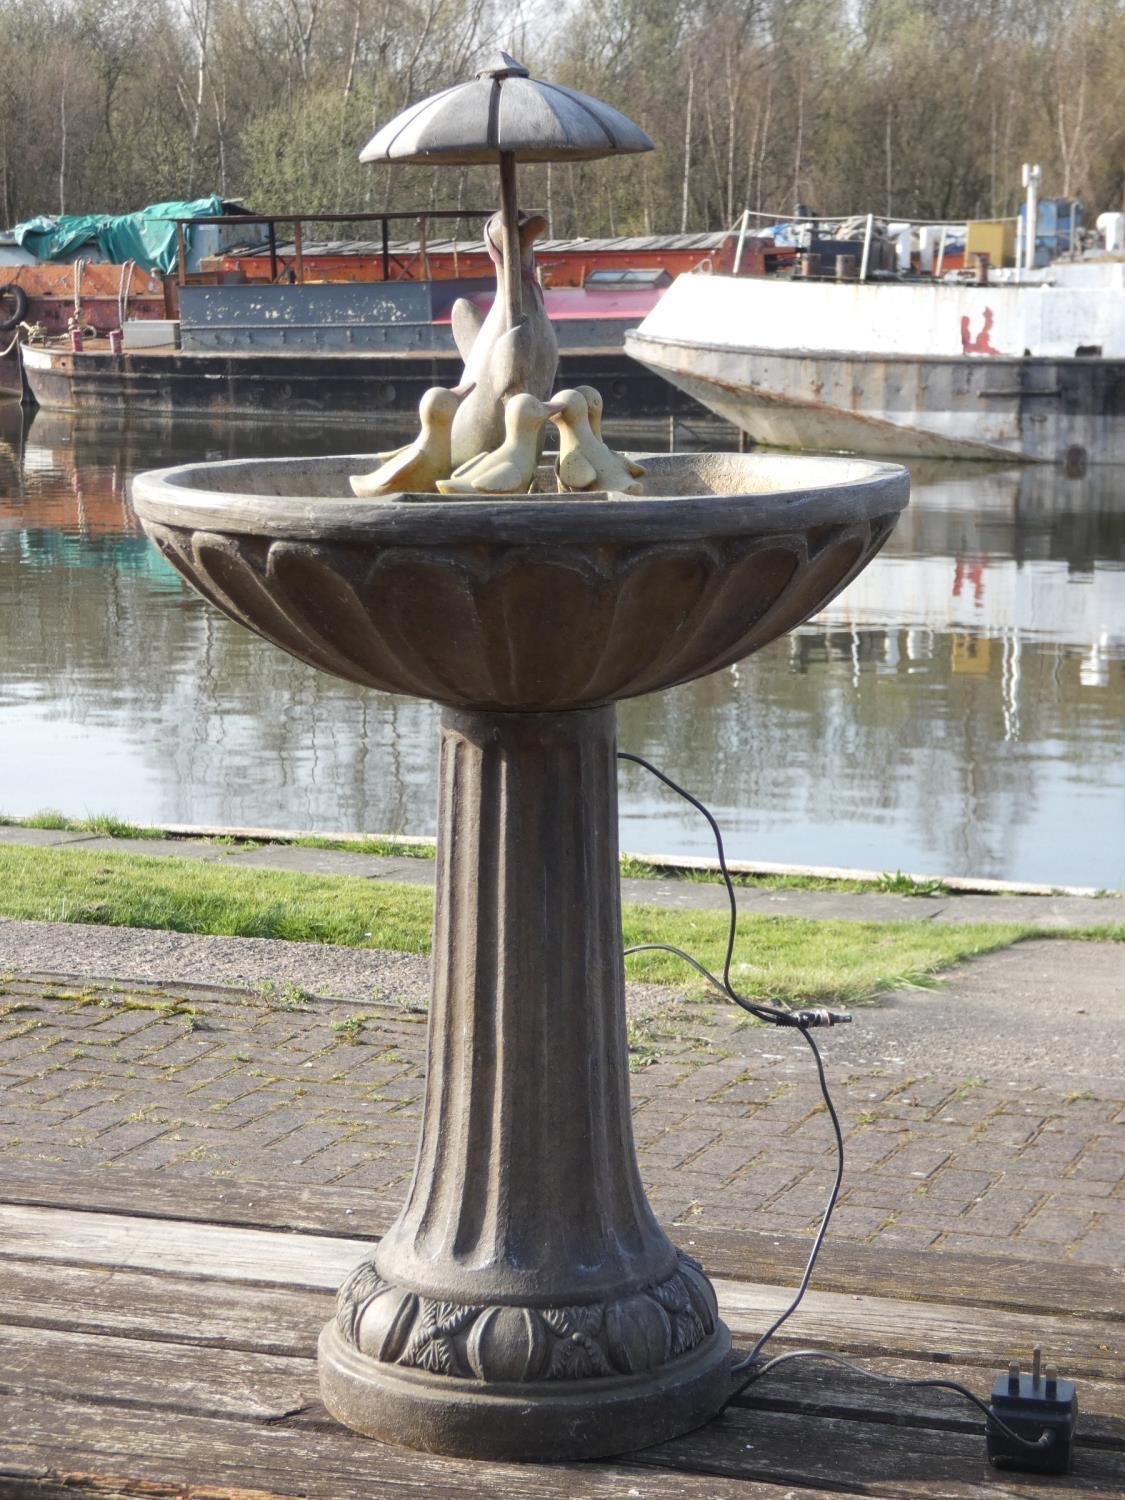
[[1030, 370], [343, 328], [298, 383]]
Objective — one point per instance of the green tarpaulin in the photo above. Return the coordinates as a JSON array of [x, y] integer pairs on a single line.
[[148, 237]]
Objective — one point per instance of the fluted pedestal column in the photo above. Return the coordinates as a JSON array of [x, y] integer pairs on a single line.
[[526, 1304]]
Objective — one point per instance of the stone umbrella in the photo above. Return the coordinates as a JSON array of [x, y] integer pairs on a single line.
[[504, 115]]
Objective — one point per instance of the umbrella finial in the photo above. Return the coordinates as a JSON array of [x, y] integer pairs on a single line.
[[503, 66]]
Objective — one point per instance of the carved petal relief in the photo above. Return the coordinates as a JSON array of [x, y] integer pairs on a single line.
[[500, 625], [514, 1345]]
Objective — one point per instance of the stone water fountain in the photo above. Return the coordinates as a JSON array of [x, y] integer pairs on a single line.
[[525, 1304]]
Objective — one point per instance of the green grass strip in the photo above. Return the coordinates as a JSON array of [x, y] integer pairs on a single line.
[[793, 958], [633, 866], [109, 825]]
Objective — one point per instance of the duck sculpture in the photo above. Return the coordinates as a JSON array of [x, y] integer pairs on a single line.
[[502, 361], [594, 405], [510, 468], [420, 464], [585, 462]]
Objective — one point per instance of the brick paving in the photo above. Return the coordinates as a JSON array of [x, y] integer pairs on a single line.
[[278, 1086]]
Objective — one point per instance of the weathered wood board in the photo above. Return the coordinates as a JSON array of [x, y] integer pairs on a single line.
[[980, 1279], [146, 1350]]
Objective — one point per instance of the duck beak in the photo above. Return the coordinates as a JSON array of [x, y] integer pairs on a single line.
[[461, 391], [556, 407]]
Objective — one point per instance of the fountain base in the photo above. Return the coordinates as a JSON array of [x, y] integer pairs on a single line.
[[537, 1421]]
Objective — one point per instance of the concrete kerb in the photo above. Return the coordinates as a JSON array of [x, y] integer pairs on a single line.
[[961, 885]]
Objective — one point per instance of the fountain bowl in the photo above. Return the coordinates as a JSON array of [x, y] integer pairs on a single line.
[[537, 603]]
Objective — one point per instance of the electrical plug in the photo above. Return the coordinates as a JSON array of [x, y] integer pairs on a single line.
[[1042, 1409]]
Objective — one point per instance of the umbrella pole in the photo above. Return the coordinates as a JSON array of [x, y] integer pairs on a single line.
[[513, 293]]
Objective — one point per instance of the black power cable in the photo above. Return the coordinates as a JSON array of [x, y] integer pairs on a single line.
[[1045, 1439], [803, 1020]]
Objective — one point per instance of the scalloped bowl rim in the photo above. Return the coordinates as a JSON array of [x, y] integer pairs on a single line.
[[775, 493]]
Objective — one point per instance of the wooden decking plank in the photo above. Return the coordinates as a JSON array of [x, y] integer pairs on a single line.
[[36, 1483], [317, 1262], [134, 1304], [248, 1387], [883, 1325], [879, 1459], [259, 1387], [321, 1461], [953, 1277], [745, 1454], [867, 1325], [161, 1195], [173, 1386], [824, 1388], [265, 1320]]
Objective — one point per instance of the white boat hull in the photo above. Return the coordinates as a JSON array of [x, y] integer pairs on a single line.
[[1044, 407]]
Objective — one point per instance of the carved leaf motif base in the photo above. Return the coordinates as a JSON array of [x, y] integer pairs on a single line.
[[526, 1304]]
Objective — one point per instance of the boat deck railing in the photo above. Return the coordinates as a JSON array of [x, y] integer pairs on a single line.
[[271, 221]]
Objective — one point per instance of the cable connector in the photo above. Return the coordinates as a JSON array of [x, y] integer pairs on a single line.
[[821, 1016]]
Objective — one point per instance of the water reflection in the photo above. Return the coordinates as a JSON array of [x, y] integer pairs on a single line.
[[960, 708]]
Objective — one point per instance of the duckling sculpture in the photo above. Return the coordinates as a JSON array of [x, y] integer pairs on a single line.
[[510, 469], [420, 464], [585, 462], [502, 361]]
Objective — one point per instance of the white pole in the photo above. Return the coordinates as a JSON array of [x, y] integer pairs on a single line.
[[742, 228], [940, 255], [1031, 176], [866, 247]]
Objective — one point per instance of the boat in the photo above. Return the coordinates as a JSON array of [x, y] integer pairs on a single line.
[[1024, 365], [97, 273], [340, 329], [300, 383]]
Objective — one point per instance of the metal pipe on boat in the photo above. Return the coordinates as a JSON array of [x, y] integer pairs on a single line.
[[742, 228], [867, 232], [940, 255], [1031, 176], [298, 252]]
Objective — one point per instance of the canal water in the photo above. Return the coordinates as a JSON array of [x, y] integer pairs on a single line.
[[959, 710]]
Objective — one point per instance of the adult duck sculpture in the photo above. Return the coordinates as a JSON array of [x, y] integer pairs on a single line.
[[501, 361]]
